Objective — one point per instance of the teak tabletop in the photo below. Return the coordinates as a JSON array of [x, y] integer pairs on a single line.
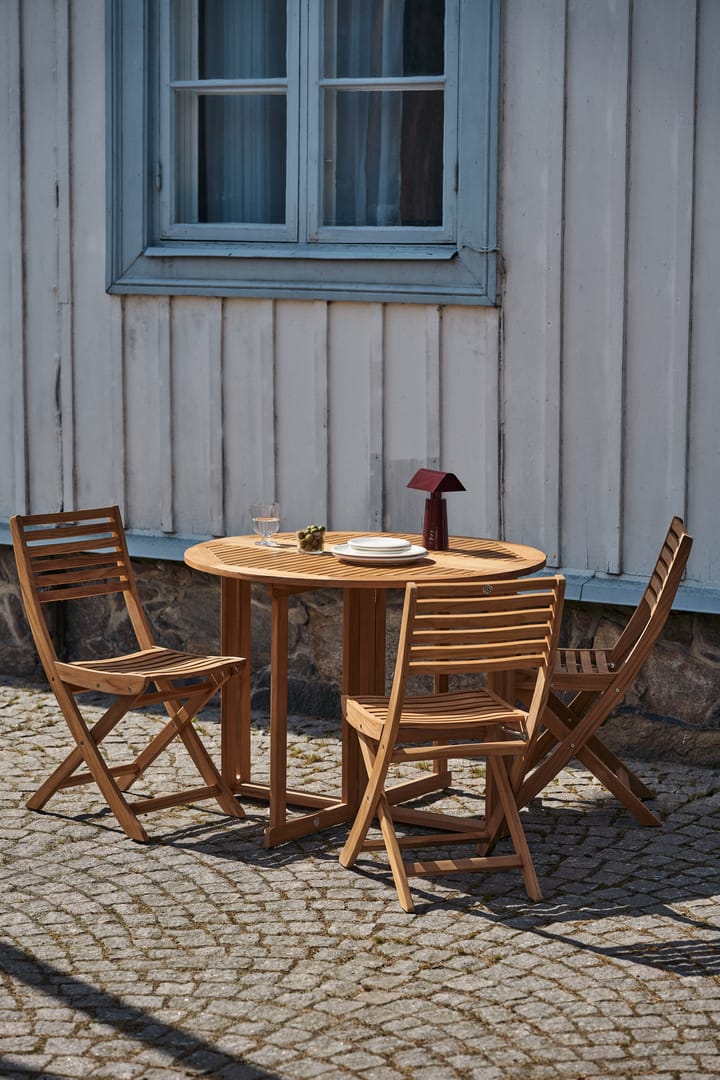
[[466, 557], [240, 562]]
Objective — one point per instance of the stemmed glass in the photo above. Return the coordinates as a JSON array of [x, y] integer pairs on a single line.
[[266, 522]]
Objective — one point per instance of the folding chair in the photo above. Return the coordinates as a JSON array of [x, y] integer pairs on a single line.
[[492, 627], [599, 679], [82, 555]]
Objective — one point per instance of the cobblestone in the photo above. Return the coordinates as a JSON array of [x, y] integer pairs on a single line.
[[203, 954]]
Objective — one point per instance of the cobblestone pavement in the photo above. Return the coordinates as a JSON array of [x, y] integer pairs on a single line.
[[202, 954]]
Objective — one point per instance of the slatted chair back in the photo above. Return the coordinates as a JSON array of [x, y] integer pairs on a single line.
[[651, 614], [74, 555], [620, 664], [599, 679], [474, 628]]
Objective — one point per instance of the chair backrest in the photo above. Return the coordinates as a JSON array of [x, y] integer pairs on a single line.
[[467, 627], [73, 555], [648, 619]]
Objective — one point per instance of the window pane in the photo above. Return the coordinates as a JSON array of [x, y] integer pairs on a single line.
[[386, 167], [241, 39], [241, 159], [374, 38]]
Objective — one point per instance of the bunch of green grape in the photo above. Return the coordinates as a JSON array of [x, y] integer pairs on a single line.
[[311, 538]]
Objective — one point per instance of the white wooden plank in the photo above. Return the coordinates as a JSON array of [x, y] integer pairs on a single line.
[[196, 336], [432, 381], [411, 409], [469, 418], [532, 156], [43, 371], [248, 407], [13, 430], [97, 385], [214, 419], [355, 416], [658, 262], [703, 511], [594, 282], [148, 422], [376, 447], [61, 146], [117, 422], [301, 412]]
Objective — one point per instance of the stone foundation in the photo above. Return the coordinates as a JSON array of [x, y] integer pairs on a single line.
[[672, 711]]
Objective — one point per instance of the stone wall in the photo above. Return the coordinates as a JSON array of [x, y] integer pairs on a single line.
[[672, 710]]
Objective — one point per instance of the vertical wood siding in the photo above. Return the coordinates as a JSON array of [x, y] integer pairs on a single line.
[[660, 202], [531, 230], [13, 474], [703, 463], [596, 178], [580, 414]]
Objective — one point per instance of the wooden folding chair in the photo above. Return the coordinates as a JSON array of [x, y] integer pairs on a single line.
[[599, 679], [492, 627], [81, 555]]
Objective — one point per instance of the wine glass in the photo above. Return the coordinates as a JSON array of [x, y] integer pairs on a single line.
[[265, 522]]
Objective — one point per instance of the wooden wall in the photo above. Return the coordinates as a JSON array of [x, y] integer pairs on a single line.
[[581, 414]]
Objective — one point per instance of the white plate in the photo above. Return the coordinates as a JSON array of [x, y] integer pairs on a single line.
[[386, 545], [360, 558]]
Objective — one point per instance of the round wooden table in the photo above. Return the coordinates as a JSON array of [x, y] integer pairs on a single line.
[[239, 562]]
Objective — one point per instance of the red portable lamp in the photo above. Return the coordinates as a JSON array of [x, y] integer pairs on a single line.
[[435, 530]]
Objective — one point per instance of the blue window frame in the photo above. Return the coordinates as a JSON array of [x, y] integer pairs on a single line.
[[333, 149]]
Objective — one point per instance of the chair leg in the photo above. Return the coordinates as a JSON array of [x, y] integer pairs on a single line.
[[172, 728], [112, 794], [619, 788], [517, 833], [180, 723], [211, 775], [613, 762], [75, 759], [397, 865], [573, 741], [376, 772], [572, 714], [88, 739], [358, 833]]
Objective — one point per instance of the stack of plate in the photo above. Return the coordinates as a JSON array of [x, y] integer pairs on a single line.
[[378, 549]]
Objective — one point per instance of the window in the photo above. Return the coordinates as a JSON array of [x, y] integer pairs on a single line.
[[342, 149]]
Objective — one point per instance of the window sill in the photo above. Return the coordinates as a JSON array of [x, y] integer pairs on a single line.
[[345, 252], [445, 276]]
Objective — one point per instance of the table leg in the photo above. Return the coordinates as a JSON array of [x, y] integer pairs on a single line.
[[363, 673], [235, 695], [502, 683], [278, 707], [325, 811]]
